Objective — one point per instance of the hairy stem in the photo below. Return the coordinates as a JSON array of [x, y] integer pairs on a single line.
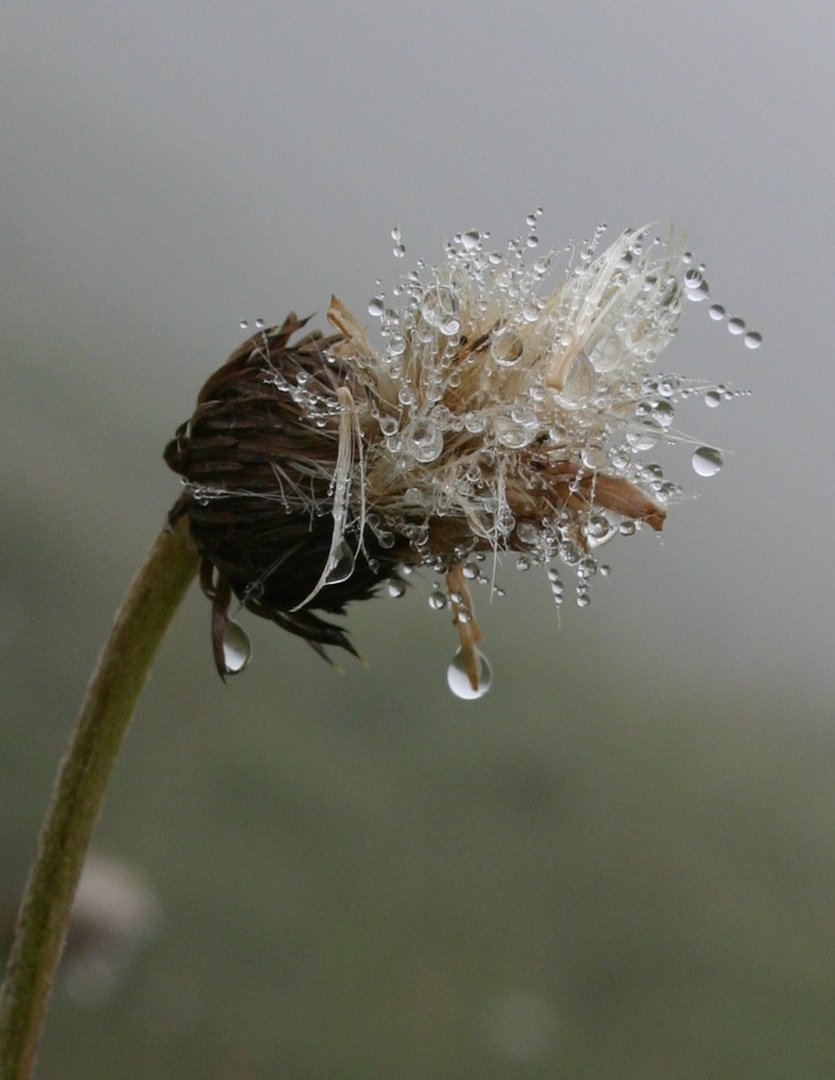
[[141, 622]]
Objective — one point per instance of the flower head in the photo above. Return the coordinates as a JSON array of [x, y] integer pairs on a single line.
[[494, 417]]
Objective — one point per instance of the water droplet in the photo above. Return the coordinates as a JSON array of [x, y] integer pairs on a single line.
[[237, 648], [341, 565], [244, 324], [532, 241], [389, 425], [579, 381], [260, 324], [426, 440], [470, 240], [459, 681], [396, 588], [583, 599], [437, 601], [598, 526], [440, 307], [607, 354], [736, 325], [699, 292], [474, 422], [376, 306], [706, 461], [664, 414], [716, 312], [712, 399], [398, 251], [506, 347], [753, 339]]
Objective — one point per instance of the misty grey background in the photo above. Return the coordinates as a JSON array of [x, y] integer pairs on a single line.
[[171, 169]]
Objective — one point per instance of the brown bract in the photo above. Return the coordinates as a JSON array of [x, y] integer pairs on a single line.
[[258, 495]]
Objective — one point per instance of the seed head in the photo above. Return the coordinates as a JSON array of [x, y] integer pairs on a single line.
[[490, 419]]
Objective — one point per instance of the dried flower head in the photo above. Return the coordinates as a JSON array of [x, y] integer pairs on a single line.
[[491, 419]]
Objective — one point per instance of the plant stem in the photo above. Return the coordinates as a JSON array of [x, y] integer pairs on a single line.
[[141, 622]]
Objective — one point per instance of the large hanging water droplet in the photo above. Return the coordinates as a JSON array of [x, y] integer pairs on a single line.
[[341, 565], [753, 339], [706, 461], [237, 648], [459, 681]]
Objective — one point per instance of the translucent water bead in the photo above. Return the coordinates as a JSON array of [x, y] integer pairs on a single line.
[[237, 648], [459, 681]]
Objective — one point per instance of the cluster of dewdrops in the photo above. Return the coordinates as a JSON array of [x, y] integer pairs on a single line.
[[463, 393], [608, 412]]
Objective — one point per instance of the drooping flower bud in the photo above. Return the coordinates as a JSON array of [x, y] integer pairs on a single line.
[[492, 419]]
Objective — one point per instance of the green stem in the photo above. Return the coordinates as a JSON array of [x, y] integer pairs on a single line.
[[141, 622]]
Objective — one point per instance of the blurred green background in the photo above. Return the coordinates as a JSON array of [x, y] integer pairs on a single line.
[[621, 861]]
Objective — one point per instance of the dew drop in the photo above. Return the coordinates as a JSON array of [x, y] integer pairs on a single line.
[[396, 588], [459, 681], [237, 648], [506, 347], [706, 461], [426, 441], [753, 339], [699, 292], [341, 565], [736, 325], [607, 354], [376, 306], [579, 381], [664, 414], [260, 324], [470, 240], [244, 325], [716, 312], [712, 399], [598, 526], [437, 601], [398, 251]]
